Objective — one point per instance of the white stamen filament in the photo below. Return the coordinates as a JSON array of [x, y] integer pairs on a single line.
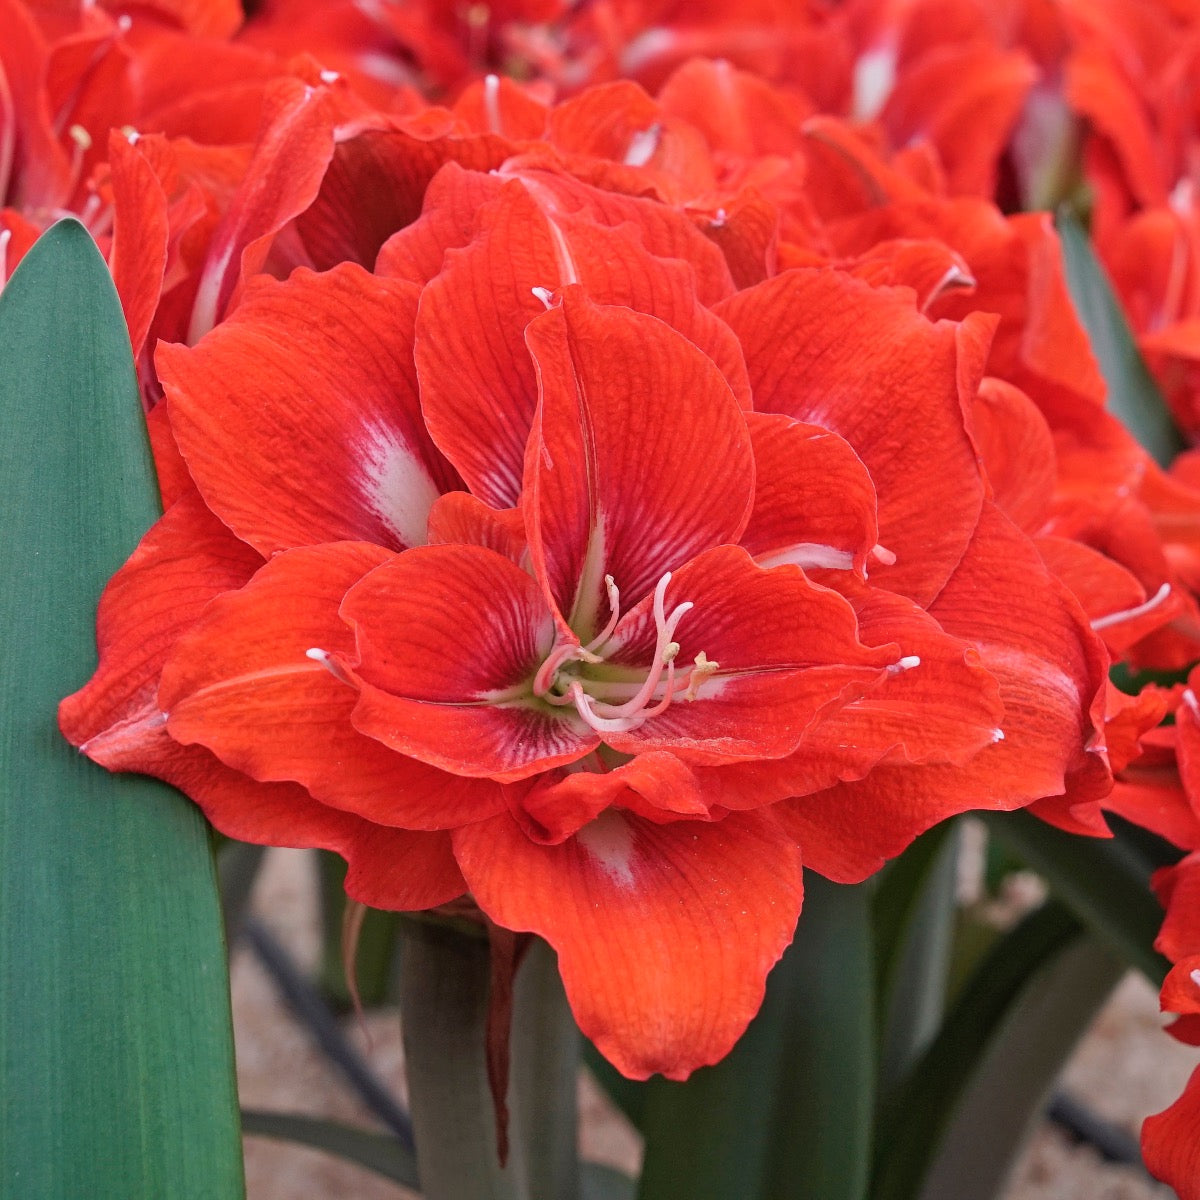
[[491, 102], [905, 664], [642, 146], [1130, 614], [614, 613], [606, 716], [330, 664], [1196, 977], [5, 238]]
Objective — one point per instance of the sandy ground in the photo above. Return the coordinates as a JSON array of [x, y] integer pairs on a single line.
[[1125, 1069]]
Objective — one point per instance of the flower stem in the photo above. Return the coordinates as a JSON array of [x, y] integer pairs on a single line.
[[444, 986]]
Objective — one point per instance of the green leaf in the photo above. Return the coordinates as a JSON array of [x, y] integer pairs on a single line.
[[378, 1152], [1133, 396], [115, 1044], [1013, 1078], [913, 913], [788, 1112], [913, 1122], [1105, 882]]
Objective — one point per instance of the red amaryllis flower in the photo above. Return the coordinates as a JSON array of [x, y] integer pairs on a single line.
[[490, 555]]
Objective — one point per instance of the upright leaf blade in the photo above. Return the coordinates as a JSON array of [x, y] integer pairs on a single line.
[[115, 1043], [1133, 396], [787, 1115], [1105, 882]]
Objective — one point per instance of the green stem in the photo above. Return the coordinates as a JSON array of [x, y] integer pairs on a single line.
[[444, 976], [545, 1069]]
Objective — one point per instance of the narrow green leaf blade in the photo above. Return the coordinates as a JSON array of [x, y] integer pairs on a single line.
[[1133, 396], [913, 913], [913, 1122], [378, 1152], [788, 1114], [115, 1044], [1013, 1079], [1105, 882]]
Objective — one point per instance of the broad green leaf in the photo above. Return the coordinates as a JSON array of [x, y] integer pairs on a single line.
[[787, 1114], [115, 1044], [1133, 396], [378, 1152], [913, 1122], [1105, 882]]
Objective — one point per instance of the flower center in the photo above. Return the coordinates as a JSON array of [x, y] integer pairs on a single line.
[[614, 699]]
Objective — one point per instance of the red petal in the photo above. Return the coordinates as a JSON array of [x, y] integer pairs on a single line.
[[1171, 1142], [290, 158], [655, 785], [944, 710], [447, 222], [299, 417], [827, 349], [387, 868], [1017, 449], [376, 182], [1032, 637], [664, 933], [458, 517], [628, 409], [478, 386], [185, 560], [1178, 890], [786, 650], [965, 100], [449, 639], [141, 230], [241, 683], [814, 503], [930, 268]]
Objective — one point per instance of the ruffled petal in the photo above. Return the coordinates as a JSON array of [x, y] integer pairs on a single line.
[[628, 410], [449, 639], [244, 684], [814, 503], [478, 385], [827, 349], [1052, 672], [299, 416], [664, 933], [185, 560]]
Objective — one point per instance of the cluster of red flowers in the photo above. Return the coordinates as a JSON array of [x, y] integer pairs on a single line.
[[641, 472]]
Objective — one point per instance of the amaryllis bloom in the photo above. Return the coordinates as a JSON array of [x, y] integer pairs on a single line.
[[546, 566]]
